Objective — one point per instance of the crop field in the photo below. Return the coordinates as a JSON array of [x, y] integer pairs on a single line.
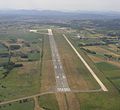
[[111, 72], [101, 50], [3, 50], [20, 105], [99, 101], [48, 102], [112, 48], [110, 67], [15, 82]]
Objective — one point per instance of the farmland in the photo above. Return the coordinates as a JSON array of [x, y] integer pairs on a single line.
[[18, 105], [49, 102], [105, 58], [17, 81], [36, 57]]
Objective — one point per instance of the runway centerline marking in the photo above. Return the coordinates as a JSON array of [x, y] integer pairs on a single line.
[[61, 80]]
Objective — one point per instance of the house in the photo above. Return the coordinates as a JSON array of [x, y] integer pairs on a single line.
[[33, 31]]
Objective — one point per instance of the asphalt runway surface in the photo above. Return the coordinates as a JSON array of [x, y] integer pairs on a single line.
[[61, 80]]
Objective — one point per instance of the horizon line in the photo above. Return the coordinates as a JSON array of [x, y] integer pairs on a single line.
[[60, 10]]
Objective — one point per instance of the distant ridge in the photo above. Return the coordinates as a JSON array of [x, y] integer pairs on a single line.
[[73, 14]]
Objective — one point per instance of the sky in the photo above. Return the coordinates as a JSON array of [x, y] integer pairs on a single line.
[[86, 5]]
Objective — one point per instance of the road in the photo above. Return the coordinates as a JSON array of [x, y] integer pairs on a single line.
[[87, 66], [27, 97], [61, 80], [37, 106]]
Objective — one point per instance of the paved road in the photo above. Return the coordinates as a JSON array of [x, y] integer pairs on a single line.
[[87, 66], [61, 81]]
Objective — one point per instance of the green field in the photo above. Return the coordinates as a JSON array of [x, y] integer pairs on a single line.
[[29, 105], [48, 102], [103, 66], [3, 50], [25, 80], [116, 82], [34, 56], [99, 101], [111, 72]]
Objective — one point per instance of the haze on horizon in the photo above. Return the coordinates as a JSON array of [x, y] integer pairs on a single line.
[[89, 5]]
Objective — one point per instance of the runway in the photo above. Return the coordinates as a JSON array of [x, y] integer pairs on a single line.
[[61, 80]]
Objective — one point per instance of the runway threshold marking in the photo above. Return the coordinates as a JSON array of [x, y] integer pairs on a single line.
[[87, 66]]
